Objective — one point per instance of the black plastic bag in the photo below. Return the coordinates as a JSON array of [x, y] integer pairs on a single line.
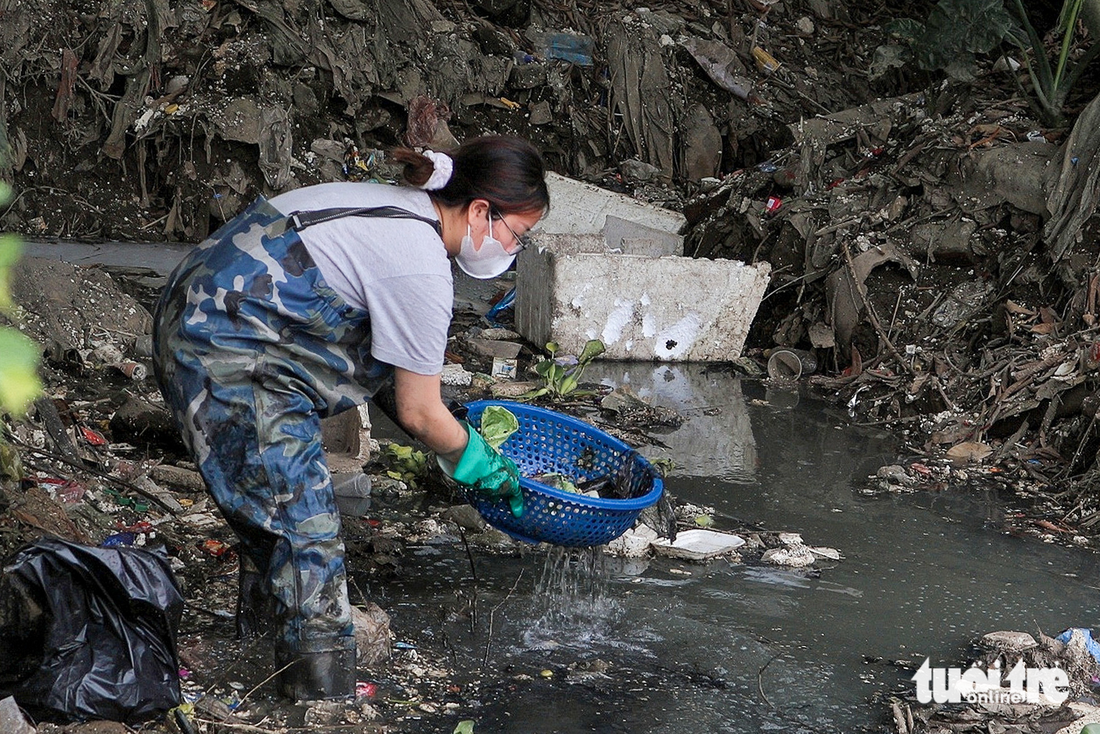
[[89, 633]]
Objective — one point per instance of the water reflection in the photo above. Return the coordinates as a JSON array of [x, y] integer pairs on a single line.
[[717, 440]]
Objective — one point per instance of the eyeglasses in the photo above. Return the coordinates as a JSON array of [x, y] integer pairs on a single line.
[[522, 241]]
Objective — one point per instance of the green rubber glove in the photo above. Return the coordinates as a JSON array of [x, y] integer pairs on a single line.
[[487, 472]]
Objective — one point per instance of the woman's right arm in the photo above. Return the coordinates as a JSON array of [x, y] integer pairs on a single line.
[[421, 412], [464, 454]]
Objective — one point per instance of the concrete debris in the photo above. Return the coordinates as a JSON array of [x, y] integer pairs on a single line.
[[563, 297], [178, 477], [582, 208], [1013, 642]]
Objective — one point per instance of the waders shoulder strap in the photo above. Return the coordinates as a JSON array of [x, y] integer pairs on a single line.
[[297, 221]]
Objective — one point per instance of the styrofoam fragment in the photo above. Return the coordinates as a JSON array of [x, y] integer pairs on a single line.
[[456, 375], [793, 556], [634, 543]]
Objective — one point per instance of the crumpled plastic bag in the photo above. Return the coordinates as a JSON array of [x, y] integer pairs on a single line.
[[89, 633]]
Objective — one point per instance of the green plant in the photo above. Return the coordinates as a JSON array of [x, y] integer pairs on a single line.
[[954, 32], [405, 463], [562, 380], [1051, 85], [19, 383], [664, 466], [957, 30]]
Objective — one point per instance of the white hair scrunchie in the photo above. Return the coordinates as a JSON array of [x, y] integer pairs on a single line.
[[441, 174]]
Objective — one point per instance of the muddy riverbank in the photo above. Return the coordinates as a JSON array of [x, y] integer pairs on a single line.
[[468, 635]]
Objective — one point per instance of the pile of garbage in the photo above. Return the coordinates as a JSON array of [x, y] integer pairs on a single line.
[[1012, 682], [911, 256], [910, 224], [173, 118]]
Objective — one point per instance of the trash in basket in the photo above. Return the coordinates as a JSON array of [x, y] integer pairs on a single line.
[[549, 442]]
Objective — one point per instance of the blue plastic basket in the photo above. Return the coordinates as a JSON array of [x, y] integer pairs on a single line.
[[550, 442]]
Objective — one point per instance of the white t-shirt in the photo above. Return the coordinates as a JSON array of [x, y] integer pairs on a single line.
[[395, 269]]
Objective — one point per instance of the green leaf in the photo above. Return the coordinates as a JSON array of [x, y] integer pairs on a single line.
[[1067, 22], [957, 29], [5, 193], [10, 250], [568, 384], [465, 726], [532, 394], [663, 466], [905, 29], [19, 383], [552, 347], [592, 349], [398, 451], [551, 373], [497, 425]]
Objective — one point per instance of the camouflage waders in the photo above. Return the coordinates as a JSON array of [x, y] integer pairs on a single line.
[[252, 349]]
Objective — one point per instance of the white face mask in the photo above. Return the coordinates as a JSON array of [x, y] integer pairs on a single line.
[[487, 261]]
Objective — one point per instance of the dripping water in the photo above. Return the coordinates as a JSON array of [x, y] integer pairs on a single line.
[[573, 606]]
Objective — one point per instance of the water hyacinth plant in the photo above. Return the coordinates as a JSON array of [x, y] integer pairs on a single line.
[[562, 380]]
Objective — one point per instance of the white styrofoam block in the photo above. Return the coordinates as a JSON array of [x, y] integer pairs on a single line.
[[621, 235], [581, 208], [570, 289]]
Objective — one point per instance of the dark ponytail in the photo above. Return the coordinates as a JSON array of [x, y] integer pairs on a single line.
[[506, 171], [418, 167]]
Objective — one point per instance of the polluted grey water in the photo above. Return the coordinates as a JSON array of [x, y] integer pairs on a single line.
[[578, 642]]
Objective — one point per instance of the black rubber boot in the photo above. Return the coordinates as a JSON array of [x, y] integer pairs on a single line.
[[317, 676], [255, 607]]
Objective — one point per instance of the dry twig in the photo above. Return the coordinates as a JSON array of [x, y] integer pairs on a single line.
[[871, 311], [492, 613]]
